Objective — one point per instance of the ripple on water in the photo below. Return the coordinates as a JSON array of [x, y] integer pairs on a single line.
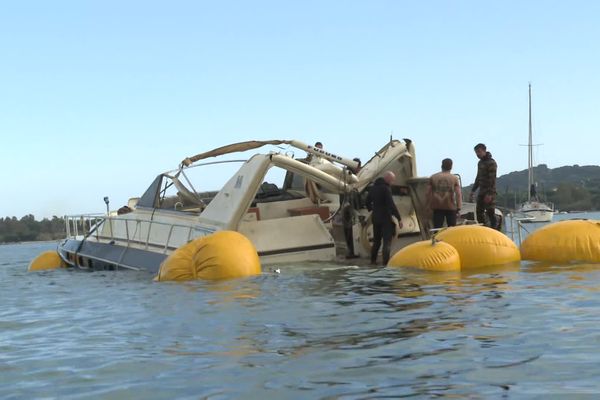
[[313, 331]]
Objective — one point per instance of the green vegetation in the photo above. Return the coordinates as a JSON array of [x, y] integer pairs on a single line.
[[570, 188], [28, 229]]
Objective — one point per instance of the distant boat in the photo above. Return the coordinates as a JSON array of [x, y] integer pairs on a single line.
[[535, 209]]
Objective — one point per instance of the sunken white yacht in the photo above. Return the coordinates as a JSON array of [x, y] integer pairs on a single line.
[[296, 220]]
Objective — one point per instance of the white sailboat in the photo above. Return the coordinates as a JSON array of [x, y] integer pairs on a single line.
[[535, 209]]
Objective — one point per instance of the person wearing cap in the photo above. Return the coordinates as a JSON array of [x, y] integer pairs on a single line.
[[444, 195], [381, 203], [486, 183]]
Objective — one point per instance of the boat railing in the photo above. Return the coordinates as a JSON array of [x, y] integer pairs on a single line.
[[78, 226], [515, 228], [130, 230]]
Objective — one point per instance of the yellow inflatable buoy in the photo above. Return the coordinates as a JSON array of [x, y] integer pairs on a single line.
[[563, 242], [480, 246], [46, 260], [438, 256], [221, 255]]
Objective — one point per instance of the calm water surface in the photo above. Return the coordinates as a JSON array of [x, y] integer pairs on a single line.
[[313, 331]]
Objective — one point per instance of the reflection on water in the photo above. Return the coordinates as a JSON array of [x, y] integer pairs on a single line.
[[313, 331]]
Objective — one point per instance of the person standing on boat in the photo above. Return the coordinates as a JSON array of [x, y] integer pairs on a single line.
[[312, 188], [350, 204], [314, 159], [486, 183], [444, 195], [381, 203]]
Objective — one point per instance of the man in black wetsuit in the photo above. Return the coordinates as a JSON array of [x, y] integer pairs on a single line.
[[350, 203], [381, 203]]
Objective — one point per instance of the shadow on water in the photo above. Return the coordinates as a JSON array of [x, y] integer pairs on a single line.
[[313, 330], [348, 309], [546, 267], [386, 312], [391, 295], [579, 276]]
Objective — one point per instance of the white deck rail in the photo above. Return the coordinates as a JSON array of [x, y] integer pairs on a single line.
[[516, 226], [81, 227]]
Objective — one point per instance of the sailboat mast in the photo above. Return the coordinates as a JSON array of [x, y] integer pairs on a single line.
[[530, 153]]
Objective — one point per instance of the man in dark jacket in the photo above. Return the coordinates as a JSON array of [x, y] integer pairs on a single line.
[[350, 203], [381, 203], [486, 183]]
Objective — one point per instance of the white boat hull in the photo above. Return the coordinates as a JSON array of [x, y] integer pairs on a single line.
[[537, 212], [538, 216]]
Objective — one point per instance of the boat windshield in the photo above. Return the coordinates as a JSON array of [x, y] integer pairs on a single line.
[[177, 193], [186, 190]]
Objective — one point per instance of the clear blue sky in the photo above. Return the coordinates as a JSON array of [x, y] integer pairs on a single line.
[[98, 97]]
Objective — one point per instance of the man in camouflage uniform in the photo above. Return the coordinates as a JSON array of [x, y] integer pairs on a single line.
[[486, 183]]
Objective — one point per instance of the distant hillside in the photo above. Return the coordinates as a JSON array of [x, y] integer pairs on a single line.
[[569, 188], [549, 178]]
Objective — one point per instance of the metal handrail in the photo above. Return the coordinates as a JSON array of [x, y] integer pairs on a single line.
[[520, 227], [95, 221]]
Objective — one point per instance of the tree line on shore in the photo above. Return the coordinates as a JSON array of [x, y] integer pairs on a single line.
[[566, 196], [28, 229], [570, 188]]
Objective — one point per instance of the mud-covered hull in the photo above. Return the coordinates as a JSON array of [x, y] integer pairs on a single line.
[[106, 256]]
